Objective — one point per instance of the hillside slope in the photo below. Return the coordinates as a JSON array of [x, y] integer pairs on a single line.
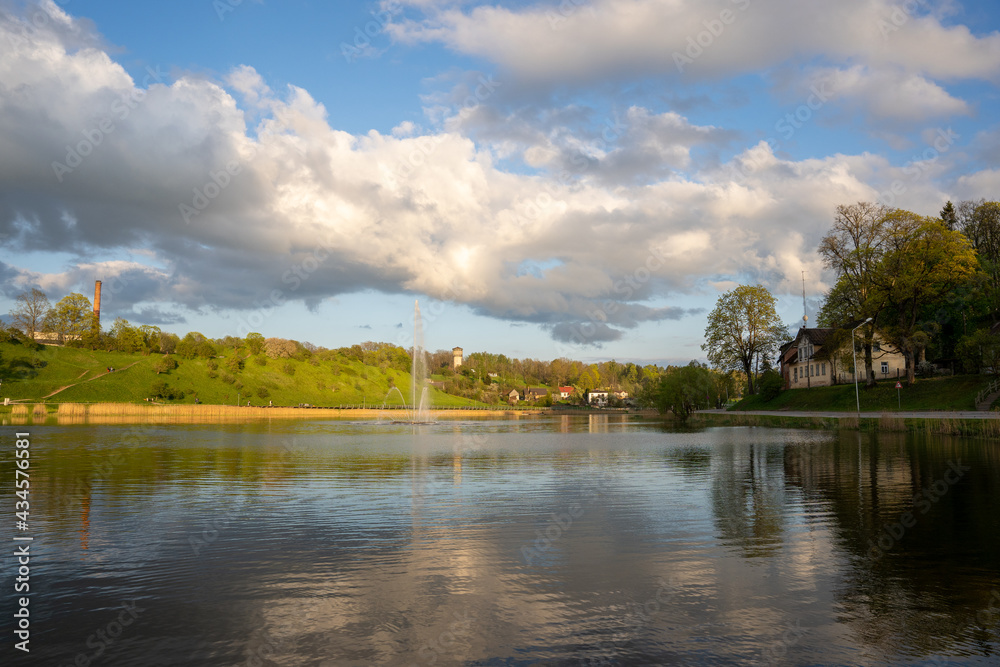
[[74, 375]]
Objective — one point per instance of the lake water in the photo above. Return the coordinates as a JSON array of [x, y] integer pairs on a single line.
[[548, 541]]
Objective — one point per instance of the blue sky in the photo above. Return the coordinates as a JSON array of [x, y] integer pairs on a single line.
[[579, 179]]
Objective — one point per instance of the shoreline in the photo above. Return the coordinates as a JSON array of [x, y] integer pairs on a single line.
[[936, 423], [121, 413]]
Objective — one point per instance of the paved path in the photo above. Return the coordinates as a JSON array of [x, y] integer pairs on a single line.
[[969, 414]]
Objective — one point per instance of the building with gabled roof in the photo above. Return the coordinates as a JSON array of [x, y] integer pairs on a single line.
[[820, 357]]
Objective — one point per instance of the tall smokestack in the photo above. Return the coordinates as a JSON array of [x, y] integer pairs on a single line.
[[97, 300]]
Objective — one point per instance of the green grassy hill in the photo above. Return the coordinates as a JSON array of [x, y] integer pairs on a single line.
[[31, 375], [949, 393]]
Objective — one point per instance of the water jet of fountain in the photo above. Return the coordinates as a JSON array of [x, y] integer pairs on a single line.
[[419, 395]]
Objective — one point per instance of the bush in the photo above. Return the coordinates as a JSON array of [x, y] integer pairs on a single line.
[[165, 365], [771, 384], [228, 378], [234, 363], [213, 365], [260, 360], [212, 375], [161, 389], [262, 392], [288, 368]]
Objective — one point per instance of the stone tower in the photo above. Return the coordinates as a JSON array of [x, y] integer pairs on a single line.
[[456, 357]]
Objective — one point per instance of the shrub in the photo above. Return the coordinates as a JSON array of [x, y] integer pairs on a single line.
[[212, 375], [227, 378], [262, 392], [288, 368], [260, 360], [234, 363], [771, 383], [165, 365], [213, 365]]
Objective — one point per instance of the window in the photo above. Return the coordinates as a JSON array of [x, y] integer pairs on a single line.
[[877, 346], [824, 370], [796, 373], [885, 368]]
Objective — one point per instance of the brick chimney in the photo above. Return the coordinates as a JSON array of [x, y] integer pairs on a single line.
[[97, 300]]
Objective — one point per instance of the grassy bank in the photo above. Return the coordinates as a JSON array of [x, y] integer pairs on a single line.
[[951, 393], [888, 423], [67, 375]]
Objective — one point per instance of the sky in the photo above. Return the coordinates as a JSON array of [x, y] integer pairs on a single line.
[[580, 179]]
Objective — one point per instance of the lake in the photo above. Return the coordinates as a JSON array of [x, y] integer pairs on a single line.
[[533, 541]]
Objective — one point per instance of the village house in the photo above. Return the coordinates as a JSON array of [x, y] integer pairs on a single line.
[[513, 397], [598, 398], [565, 392], [823, 357], [535, 393]]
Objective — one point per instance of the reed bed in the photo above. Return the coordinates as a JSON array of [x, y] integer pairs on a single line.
[[131, 413]]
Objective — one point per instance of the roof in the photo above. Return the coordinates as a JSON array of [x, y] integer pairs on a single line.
[[817, 336], [565, 388]]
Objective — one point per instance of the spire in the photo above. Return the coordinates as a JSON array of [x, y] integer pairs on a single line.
[[805, 313]]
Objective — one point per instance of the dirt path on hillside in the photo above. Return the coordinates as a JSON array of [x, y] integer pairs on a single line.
[[81, 375]]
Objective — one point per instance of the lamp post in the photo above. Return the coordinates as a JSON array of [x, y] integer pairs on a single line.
[[854, 349]]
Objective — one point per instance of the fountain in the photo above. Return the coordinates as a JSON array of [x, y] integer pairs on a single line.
[[419, 395]]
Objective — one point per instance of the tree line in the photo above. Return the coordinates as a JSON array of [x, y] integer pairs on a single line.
[[927, 286]]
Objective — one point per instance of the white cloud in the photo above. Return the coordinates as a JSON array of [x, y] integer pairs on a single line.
[[295, 207], [890, 48]]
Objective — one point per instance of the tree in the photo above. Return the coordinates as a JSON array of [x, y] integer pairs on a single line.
[[980, 222], [925, 262], [949, 216], [980, 350], [743, 326], [281, 348], [854, 248], [684, 389], [30, 311], [127, 338], [255, 342], [72, 318]]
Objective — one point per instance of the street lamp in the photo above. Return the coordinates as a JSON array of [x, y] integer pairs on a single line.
[[854, 348]]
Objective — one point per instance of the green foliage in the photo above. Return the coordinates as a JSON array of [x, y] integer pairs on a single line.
[[165, 364], [980, 351], [213, 365], [195, 345], [235, 363], [288, 368], [162, 390], [743, 328], [71, 318], [260, 360], [263, 393], [255, 343], [771, 383], [685, 389]]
